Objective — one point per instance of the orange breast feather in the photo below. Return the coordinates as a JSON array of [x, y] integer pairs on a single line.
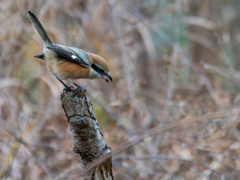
[[68, 70]]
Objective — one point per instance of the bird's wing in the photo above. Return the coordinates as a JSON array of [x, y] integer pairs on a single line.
[[81, 53], [70, 54]]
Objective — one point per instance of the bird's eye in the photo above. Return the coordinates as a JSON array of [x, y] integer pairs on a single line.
[[98, 69]]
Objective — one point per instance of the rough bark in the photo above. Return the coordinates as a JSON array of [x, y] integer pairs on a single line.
[[88, 138]]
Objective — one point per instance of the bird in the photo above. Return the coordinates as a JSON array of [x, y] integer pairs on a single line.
[[68, 63]]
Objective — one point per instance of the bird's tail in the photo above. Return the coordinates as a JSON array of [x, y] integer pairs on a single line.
[[46, 40]]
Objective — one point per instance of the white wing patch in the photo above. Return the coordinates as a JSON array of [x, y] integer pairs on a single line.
[[74, 57]]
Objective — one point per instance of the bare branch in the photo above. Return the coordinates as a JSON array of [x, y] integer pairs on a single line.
[[88, 141]]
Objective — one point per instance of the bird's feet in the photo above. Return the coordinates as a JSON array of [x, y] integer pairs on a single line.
[[78, 87], [68, 88]]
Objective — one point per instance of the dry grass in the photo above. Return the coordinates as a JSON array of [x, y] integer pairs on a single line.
[[173, 104]]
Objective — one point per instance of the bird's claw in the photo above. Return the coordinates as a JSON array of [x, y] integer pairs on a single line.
[[68, 88], [78, 87], [81, 88]]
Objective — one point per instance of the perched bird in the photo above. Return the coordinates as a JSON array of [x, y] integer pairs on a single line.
[[67, 63]]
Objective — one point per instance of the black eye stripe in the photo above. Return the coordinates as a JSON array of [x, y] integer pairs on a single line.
[[98, 69]]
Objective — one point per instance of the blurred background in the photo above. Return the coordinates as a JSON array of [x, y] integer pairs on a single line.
[[171, 61]]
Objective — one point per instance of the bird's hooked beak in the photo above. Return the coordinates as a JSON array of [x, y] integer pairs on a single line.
[[107, 77]]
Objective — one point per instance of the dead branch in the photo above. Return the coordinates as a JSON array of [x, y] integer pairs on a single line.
[[88, 141]]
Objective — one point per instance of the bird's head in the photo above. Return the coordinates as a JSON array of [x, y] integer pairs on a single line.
[[99, 68]]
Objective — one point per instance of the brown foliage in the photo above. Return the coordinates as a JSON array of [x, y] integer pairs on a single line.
[[175, 70]]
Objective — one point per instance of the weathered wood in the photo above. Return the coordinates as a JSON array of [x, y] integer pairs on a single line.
[[88, 138]]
